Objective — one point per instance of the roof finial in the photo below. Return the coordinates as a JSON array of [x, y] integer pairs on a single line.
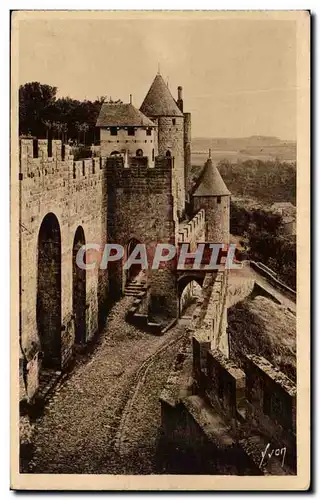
[[158, 68], [130, 98], [209, 152]]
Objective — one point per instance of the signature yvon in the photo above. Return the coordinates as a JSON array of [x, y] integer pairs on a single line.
[[268, 453]]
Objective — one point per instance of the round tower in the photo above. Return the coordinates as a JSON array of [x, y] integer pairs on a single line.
[[213, 196], [160, 106]]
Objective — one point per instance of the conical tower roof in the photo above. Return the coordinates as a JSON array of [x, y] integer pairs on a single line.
[[159, 101], [211, 182]]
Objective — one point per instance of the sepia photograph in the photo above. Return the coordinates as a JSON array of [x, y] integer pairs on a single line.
[[160, 211]]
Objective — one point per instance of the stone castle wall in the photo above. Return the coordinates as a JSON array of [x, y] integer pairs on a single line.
[[132, 193], [193, 231], [75, 193]]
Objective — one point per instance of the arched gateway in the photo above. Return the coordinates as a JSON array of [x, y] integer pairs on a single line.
[[49, 291], [78, 290]]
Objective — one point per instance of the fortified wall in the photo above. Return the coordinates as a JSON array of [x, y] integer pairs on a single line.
[[193, 231], [220, 416], [63, 204], [141, 209]]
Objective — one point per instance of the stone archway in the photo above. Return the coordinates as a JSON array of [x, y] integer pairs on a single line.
[[78, 290], [135, 269], [189, 289], [49, 291]]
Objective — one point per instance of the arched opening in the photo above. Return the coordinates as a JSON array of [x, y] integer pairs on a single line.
[[139, 152], [78, 290], [49, 291], [189, 291], [153, 155], [168, 154], [135, 269], [114, 153]]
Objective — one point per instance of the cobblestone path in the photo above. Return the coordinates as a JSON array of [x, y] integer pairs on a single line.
[[76, 433]]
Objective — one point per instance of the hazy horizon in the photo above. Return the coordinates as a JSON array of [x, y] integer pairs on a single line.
[[238, 76]]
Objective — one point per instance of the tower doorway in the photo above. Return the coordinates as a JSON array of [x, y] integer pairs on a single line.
[[135, 269]]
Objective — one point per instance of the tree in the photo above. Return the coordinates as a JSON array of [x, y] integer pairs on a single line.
[[42, 115], [84, 127], [48, 125], [35, 101]]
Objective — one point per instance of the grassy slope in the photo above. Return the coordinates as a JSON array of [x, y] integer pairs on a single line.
[[261, 327]]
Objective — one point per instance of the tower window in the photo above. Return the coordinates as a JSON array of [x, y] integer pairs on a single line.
[[148, 131], [219, 199], [131, 131], [173, 121], [139, 152], [153, 155], [168, 153], [113, 131]]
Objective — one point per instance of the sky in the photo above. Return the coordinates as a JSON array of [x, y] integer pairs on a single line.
[[238, 76]]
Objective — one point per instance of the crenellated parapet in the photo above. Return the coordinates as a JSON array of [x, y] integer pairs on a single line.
[[52, 186], [210, 405], [209, 318], [138, 176], [49, 163], [194, 230]]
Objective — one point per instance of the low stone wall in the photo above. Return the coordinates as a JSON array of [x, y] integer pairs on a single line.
[[264, 271], [227, 408]]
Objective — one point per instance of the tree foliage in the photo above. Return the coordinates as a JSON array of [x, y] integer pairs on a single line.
[[42, 115], [266, 244], [268, 181]]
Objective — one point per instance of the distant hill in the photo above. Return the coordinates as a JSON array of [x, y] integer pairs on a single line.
[[243, 148]]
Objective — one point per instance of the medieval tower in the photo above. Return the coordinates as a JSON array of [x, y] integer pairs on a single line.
[[163, 110]]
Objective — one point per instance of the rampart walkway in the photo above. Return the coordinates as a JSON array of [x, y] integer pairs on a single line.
[[79, 430]]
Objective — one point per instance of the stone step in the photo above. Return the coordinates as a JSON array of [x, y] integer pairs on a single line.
[[135, 284], [129, 289], [135, 288]]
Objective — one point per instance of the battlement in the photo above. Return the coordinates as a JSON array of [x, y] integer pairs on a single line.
[[208, 321], [139, 163], [194, 230], [260, 392], [44, 150], [140, 178], [86, 167], [41, 159]]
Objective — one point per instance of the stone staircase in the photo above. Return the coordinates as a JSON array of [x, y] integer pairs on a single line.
[[47, 381], [135, 288]]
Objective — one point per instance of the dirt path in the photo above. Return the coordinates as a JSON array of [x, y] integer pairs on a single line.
[[78, 429]]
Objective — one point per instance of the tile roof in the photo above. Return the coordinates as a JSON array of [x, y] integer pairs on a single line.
[[159, 101], [211, 182], [119, 115]]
